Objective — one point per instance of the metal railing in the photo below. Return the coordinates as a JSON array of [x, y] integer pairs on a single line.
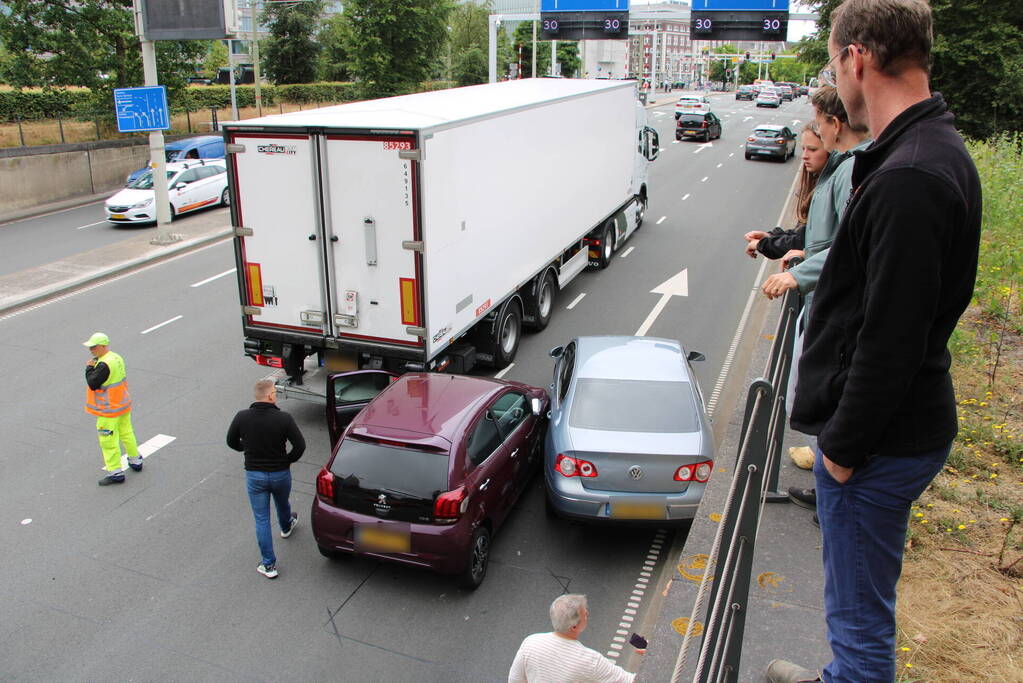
[[724, 588]]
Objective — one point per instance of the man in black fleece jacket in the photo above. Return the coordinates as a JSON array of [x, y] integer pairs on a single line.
[[873, 382], [262, 431]]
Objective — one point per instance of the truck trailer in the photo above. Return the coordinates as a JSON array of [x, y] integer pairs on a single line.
[[426, 231]]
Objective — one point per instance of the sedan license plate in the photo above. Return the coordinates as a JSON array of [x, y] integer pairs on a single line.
[[119, 216], [381, 539], [636, 511]]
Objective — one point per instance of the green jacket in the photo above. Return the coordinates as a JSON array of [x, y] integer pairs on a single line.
[[826, 208]]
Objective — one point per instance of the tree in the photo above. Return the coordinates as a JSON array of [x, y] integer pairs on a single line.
[[216, 57], [334, 40], [813, 49], [568, 53], [470, 67], [394, 45], [291, 52]]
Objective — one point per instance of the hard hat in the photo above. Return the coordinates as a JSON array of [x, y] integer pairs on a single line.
[[97, 339]]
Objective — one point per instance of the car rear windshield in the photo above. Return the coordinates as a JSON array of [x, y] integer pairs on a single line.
[[690, 118], [624, 405], [403, 471], [766, 133]]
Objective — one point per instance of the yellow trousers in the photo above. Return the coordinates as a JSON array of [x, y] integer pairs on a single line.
[[114, 431]]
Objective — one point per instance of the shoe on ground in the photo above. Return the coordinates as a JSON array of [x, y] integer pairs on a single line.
[[111, 479], [802, 457], [780, 671], [294, 523], [135, 464], [269, 571], [804, 498], [816, 520]]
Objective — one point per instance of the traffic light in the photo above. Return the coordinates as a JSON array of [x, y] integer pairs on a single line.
[[772, 56], [747, 56]]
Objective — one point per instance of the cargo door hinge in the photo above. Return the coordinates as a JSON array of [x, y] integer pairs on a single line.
[[239, 231], [234, 148], [416, 331], [412, 245], [251, 310], [411, 154]]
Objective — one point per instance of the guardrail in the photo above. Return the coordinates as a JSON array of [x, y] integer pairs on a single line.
[[724, 588]]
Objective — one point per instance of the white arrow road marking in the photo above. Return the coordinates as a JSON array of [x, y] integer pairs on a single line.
[[746, 119], [200, 283], [165, 322], [149, 447], [628, 251], [677, 285], [703, 147], [660, 220], [795, 121], [575, 301]]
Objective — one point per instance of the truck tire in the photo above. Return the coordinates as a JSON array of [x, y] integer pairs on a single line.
[[641, 211], [607, 245], [507, 334], [543, 305]]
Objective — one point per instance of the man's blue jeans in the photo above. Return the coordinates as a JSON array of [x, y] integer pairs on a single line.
[[261, 486], [863, 523]]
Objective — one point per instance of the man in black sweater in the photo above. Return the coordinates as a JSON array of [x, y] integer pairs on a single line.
[[262, 431], [874, 383]]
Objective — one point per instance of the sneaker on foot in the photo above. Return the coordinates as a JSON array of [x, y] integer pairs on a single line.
[[135, 464], [806, 498], [816, 521], [291, 527], [780, 671], [111, 479], [267, 570]]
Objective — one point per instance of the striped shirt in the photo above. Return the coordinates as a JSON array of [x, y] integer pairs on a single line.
[[549, 658]]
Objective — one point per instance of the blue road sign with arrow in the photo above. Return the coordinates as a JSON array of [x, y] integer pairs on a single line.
[[141, 109]]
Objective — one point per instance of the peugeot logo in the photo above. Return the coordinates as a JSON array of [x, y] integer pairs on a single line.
[[635, 472], [381, 499]]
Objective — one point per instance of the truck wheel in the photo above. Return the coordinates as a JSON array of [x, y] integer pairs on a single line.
[[607, 245], [507, 335], [543, 307], [641, 211]]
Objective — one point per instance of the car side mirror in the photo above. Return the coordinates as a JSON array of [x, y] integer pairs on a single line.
[[180, 186], [557, 351], [536, 405], [695, 356]]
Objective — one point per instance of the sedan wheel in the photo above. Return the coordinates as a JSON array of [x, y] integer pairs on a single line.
[[479, 557]]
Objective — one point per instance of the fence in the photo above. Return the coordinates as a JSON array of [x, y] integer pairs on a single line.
[[724, 588]]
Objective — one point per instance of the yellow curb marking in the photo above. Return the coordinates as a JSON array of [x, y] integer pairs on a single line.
[[681, 625], [694, 563]]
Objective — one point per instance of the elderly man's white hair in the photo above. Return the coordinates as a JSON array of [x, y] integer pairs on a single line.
[[566, 611]]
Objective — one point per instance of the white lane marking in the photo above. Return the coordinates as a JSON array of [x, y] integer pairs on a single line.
[[26, 521], [82, 227], [627, 252], [720, 165], [685, 197], [731, 155], [149, 447], [52, 213], [187, 491], [575, 301], [200, 283], [730, 356], [704, 178], [676, 285], [674, 142], [505, 371], [703, 147], [660, 220], [634, 601], [746, 119], [165, 322]]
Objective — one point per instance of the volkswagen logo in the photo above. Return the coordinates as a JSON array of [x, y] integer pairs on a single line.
[[635, 473]]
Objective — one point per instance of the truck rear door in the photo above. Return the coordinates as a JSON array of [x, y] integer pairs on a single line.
[[281, 258], [371, 204]]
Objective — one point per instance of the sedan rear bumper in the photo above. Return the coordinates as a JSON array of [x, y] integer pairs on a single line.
[[580, 503]]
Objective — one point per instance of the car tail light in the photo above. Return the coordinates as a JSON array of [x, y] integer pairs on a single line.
[[450, 505], [575, 467], [751, 139], [270, 361], [325, 484], [779, 140], [699, 472], [703, 125]]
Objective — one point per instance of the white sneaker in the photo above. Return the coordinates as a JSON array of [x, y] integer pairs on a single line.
[[294, 523], [269, 572]]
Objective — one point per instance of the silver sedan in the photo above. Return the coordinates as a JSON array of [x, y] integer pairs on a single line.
[[629, 438]]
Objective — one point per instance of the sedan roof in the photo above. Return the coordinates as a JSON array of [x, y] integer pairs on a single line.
[[638, 358]]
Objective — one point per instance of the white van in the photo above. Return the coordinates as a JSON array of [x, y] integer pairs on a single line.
[[690, 102]]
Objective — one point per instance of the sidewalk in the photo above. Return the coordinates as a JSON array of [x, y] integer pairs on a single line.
[[33, 284], [785, 618]]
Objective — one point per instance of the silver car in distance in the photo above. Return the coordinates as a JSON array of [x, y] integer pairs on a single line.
[[628, 439]]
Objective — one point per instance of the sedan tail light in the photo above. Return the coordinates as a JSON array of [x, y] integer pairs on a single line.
[[568, 466], [450, 505], [698, 472], [751, 139], [779, 140], [325, 484], [703, 125]]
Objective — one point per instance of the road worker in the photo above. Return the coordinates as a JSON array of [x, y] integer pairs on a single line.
[[107, 398]]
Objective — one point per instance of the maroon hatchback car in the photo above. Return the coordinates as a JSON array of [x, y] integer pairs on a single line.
[[428, 470]]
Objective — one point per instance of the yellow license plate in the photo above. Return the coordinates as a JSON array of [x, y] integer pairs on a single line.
[[118, 215], [380, 540], [636, 511]]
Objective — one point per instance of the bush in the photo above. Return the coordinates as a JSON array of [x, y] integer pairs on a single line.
[[35, 104]]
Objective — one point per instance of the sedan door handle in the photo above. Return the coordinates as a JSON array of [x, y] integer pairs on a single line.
[[515, 452], [485, 484]]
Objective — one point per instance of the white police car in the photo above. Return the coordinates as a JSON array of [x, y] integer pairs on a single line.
[[191, 185]]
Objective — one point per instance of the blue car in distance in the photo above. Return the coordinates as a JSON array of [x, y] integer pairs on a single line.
[[628, 437], [186, 149]]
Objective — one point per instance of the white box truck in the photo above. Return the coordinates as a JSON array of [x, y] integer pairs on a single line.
[[426, 231]]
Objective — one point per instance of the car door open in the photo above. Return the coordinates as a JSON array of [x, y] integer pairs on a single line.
[[348, 393]]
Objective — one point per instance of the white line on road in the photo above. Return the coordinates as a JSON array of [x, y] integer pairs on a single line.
[[628, 251], [200, 283], [505, 371], [746, 119], [628, 614], [165, 322], [685, 197], [80, 227], [575, 301], [149, 447], [677, 285], [731, 155], [660, 220], [720, 165], [704, 178]]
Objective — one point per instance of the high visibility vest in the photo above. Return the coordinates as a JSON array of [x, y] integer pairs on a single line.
[[111, 399]]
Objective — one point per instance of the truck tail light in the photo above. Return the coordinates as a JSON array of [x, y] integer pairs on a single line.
[[568, 466], [450, 505], [325, 484], [699, 472], [270, 361]]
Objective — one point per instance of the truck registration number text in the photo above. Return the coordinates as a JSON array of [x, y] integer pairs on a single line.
[[397, 144]]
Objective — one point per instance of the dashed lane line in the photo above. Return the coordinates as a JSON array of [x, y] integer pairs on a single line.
[[635, 598], [661, 220], [165, 322], [685, 197], [82, 227], [200, 283], [504, 371], [627, 252], [575, 301], [704, 179]]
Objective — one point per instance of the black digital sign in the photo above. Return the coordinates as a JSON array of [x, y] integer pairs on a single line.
[[584, 25], [734, 26]]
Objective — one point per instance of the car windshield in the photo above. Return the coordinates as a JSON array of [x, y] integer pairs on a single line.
[[404, 471], [145, 181], [625, 405], [766, 133]]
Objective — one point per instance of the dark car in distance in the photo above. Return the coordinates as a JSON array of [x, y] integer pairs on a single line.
[[428, 469], [745, 92], [698, 124], [771, 140]]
